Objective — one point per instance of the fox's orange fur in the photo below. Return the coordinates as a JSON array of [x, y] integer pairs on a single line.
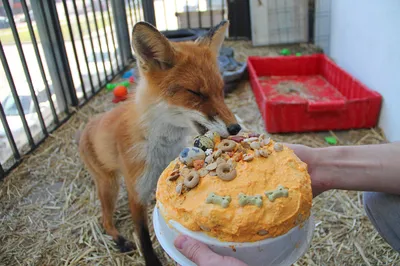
[[179, 85]]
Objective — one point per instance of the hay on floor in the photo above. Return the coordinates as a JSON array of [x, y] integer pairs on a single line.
[[50, 215]]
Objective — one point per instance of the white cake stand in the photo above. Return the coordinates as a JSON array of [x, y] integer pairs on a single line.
[[280, 251]]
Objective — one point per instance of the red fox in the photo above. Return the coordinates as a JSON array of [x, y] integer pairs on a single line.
[[180, 89]]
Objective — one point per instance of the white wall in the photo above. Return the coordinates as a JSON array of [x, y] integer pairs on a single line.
[[365, 41]]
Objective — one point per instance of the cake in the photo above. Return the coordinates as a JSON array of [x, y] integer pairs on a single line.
[[243, 188]]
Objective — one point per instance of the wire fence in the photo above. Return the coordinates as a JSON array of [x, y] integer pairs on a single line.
[[56, 55]]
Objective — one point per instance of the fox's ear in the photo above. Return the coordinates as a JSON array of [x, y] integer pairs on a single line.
[[152, 48], [215, 37]]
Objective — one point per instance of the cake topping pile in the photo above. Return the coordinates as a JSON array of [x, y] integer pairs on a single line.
[[216, 157], [241, 188]]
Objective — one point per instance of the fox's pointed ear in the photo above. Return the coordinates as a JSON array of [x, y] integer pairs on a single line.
[[215, 37], [152, 48]]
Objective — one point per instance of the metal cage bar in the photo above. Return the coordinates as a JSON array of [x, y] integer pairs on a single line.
[[83, 45], [98, 39], [106, 37], [199, 14], [165, 15], [121, 26], [112, 35], [130, 4], [187, 14], [136, 10], [39, 61], [91, 41], [62, 86], [25, 66], [14, 93], [148, 12], [211, 13], [71, 34], [2, 173], [9, 134]]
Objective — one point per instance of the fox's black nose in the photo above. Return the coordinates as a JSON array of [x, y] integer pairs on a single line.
[[234, 129]]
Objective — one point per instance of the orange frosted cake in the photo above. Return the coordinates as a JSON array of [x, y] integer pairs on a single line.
[[240, 189]]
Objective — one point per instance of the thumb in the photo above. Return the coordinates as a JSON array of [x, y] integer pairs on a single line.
[[201, 254]]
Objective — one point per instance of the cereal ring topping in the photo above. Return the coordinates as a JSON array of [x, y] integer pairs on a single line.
[[192, 180], [227, 145], [226, 172]]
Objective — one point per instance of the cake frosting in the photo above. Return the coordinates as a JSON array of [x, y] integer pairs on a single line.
[[241, 189]]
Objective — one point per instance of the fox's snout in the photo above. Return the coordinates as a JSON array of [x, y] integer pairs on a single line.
[[233, 129]]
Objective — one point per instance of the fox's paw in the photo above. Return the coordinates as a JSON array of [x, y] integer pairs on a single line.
[[124, 245]]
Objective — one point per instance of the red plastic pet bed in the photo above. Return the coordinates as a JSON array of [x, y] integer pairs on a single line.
[[310, 93]]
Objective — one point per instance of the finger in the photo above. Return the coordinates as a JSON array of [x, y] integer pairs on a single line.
[[293, 146], [195, 251], [200, 254]]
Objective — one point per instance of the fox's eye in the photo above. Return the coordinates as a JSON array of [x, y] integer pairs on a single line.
[[196, 93]]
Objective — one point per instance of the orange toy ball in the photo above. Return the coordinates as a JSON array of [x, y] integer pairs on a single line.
[[120, 91]]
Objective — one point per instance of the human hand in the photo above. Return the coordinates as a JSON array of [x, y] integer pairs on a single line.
[[319, 179], [201, 255]]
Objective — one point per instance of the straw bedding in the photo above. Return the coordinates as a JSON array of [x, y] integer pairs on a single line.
[[50, 214]]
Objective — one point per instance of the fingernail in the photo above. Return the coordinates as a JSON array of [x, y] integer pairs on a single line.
[[179, 241]]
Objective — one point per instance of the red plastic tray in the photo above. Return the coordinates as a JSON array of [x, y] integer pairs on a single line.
[[310, 93]]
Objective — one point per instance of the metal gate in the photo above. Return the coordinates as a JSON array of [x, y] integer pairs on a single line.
[[57, 54]]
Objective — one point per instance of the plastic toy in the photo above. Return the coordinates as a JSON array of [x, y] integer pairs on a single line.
[[111, 86], [285, 52], [120, 91], [120, 94], [128, 74], [331, 140]]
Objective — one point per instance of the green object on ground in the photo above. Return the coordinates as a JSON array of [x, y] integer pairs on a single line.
[[298, 54], [285, 52], [111, 86], [331, 140]]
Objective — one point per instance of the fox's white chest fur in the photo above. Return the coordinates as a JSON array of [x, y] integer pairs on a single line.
[[167, 130]]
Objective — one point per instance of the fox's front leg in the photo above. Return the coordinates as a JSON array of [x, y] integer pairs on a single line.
[[138, 199], [107, 187]]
